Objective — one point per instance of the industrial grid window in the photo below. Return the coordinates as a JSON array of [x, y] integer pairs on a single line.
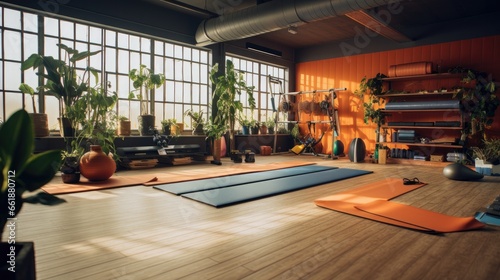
[[22, 33]]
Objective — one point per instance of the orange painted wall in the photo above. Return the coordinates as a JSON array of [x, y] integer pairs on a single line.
[[482, 54]]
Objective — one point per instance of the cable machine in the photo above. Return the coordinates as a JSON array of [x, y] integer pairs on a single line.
[[326, 105]]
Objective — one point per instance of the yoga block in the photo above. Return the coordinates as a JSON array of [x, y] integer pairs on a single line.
[[265, 150], [437, 158], [382, 156]]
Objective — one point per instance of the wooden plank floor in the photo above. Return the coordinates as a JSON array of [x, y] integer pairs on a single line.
[[142, 233]]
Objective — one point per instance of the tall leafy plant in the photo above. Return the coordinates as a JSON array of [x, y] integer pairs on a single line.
[[62, 79], [226, 97], [478, 95], [21, 169], [143, 82]]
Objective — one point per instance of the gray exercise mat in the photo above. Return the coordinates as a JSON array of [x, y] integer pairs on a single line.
[[231, 180], [235, 194]]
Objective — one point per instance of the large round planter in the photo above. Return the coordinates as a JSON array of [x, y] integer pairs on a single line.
[[95, 165], [146, 124], [40, 124], [124, 128]]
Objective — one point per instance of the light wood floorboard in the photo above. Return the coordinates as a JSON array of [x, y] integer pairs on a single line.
[[142, 233]]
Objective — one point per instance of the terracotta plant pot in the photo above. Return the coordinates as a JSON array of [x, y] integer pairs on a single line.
[[95, 165], [40, 124], [124, 128]]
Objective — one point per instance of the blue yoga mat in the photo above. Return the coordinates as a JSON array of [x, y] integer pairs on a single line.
[[240, 193], [227, 181], [488, 218]]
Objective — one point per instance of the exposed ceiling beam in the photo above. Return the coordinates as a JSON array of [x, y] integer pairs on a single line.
[[377, 25]]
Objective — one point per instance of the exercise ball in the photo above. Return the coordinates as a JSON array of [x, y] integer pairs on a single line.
[[338, 148], [357, 150], [460, 172]]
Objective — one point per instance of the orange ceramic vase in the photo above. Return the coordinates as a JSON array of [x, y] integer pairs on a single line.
[[95, 165]]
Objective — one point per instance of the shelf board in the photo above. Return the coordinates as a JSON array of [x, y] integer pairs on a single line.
[[423, 77], [423, 127], [416, 94], [424, 145], [421, 110]]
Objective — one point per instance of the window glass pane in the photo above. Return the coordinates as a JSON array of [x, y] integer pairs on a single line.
[[110, 38], [178, 51], [134, 43], [169, 50], [96, 35], [169, 68], [123, 62], [82, 32], [146, 45], [50, 48], [12, 77], [187, 53], [12, 45], [196, 55], [30, 22], [187, 71], [178, 70], [135, 60], [122, 40], [159, 46], [170, 91], [67, 29], [12, 18], [196, 72], [186, 93], [110, 59], [51, 26]]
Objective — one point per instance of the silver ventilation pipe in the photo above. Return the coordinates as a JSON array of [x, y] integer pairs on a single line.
[[275, 15]]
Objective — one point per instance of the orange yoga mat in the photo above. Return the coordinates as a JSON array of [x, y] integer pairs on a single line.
[[420, 217], [232, 169], [86, 185], [371, 202]]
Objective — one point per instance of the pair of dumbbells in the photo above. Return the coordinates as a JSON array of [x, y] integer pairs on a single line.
[[237, 156]]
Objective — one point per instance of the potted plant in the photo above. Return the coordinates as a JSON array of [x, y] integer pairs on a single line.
[[245, 124], [197, 121], [169, 126], [40, 120], [372, 112], [21, 171], [62, 81], [487, 157], [254, 127], [144, 82], [270, 124], [226, 105], [479, 100], [123, 126], [263, 128], [215, 133]]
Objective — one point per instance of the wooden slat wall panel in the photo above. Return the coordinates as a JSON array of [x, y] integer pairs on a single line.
[[480, 54]]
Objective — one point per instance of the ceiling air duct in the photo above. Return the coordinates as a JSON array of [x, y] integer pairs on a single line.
[[275, 15]]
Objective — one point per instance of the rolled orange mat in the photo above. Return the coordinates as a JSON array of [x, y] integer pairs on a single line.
[[419, 217], [371, 202]]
